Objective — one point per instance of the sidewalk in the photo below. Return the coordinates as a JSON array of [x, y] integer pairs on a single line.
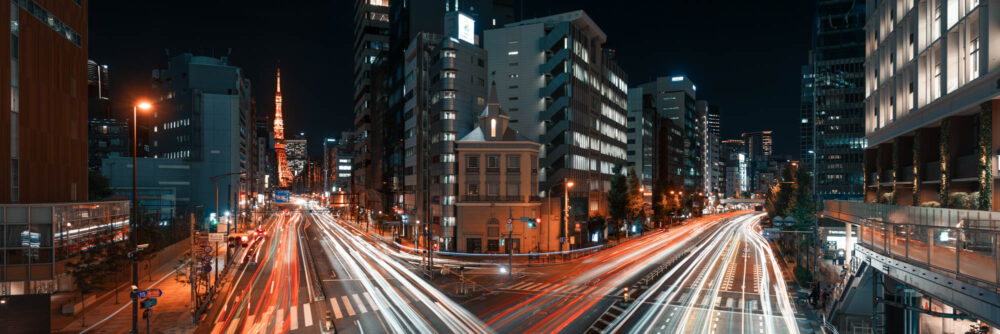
[[170, 315]]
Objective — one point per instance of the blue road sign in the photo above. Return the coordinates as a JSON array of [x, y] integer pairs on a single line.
[[149, 303], [141, 293], [208, 268], [282, 196], [154, 293]]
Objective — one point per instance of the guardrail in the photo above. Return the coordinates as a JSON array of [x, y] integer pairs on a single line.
[[963, 244]]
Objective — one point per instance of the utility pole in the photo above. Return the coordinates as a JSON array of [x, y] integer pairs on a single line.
[[191, 273]]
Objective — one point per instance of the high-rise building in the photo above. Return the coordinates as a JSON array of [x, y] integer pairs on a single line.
[[43, 145], [563, 87], [295, 150], [106, 135], [758, 148], [265, 166], [379, 103], [371, 46], [733, 151], [343, 155], [200, 119], [715, 162], [449, 87], [285, 174], [838, 60], [931, 103], [674, 100], [641, 136], [807, 123]]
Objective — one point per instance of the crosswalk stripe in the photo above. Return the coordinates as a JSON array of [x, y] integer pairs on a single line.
[[531, 286], [336, 308], [249, 321], [361, 305], [295, 318], [307, 313], [718, 301], [682, 296], [704, 300], [279, 319], [521, 285], [347, 305], [371, 302]]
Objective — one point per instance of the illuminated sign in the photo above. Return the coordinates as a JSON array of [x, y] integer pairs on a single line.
[[466, 28]]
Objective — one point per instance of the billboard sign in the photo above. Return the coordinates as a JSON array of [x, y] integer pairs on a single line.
[[466, 28]]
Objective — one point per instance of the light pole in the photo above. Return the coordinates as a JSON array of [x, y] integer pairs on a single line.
[[568, 184], [214, 182], [134, 221]]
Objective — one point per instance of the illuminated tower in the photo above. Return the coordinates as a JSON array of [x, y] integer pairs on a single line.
[[284, 173]]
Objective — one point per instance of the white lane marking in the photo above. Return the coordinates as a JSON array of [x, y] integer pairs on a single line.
[[347, 305], [249, 321], [361, 305], [307, 313], [295, 318], [336, 308], [371, 302], [279, 319], [520, 286], [272, 287]]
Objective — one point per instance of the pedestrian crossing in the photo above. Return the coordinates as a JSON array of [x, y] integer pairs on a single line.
[[562, 288], [352, 304], [298, 317], [723, 303]]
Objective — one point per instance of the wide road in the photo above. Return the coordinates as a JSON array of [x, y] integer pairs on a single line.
[[273, 290], [370, 291], [570, 297], [730, 283]]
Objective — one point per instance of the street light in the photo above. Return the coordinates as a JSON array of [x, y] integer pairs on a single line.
[[569, 184], [133, 230]]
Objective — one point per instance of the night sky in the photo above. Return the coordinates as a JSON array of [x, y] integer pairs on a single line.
[[744, 56]]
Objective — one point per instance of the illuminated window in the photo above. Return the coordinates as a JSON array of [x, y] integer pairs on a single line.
[[449, 74], [448, 115], [448, 54], [512, 53], [493, 127]]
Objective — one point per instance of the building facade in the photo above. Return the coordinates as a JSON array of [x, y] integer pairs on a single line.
[[44, 145], [201, 120], [674, 100], [736, 173], [758, 148], [447, 76], [498, 175], [931, 99], [295, 151], [839, 94], [641, 137], [716, 163], [371, 46], [562, 87]]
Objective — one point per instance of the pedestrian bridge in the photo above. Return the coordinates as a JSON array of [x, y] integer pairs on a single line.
[[742, 201], [949, 254]]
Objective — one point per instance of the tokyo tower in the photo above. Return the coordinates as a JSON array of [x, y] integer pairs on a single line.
[[284, 172]]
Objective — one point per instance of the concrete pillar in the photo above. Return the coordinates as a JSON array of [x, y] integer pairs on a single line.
[[848, 244]]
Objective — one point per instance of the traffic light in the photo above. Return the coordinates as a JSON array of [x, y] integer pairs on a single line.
[[534, 223]]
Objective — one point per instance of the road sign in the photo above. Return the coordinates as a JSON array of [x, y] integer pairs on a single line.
[[509, 221], [141, 294], [148, 303], [216, 237], [208, 249], [154, 293], [510, 227], [208, 268], [282, 196], [208, 258]]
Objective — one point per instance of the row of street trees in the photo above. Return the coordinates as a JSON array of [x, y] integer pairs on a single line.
[[625, 202], [793, 197]]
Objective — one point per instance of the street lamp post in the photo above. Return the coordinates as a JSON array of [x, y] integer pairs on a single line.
[[135, 215], [568, 184], [214, 182]]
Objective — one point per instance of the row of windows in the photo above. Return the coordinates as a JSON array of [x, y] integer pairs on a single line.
[[40, 13], [493, 189], [176, 124]]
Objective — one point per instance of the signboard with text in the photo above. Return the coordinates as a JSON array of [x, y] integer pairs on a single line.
[[282, 196]]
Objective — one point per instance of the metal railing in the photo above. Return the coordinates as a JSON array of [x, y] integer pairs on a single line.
[[493, 198], [963, 244]]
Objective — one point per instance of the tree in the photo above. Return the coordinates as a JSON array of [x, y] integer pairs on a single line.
[[618, 195], [88, 272], [635, 205], [804, 208], [98, 186]]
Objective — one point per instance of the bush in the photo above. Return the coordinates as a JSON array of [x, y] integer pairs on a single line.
[[931, 204], [888, 198]]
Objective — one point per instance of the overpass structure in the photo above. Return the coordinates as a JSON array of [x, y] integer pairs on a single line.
[[950, 255]]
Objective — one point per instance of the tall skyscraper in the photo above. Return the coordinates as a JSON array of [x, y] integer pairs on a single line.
[[807, 123], [43, 144], [297, 154], [449, 81], [674, 100], [715, 161], [839, 95], [380, 106], [285, 175], [758, 147], [641, 134], [553, 70]]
